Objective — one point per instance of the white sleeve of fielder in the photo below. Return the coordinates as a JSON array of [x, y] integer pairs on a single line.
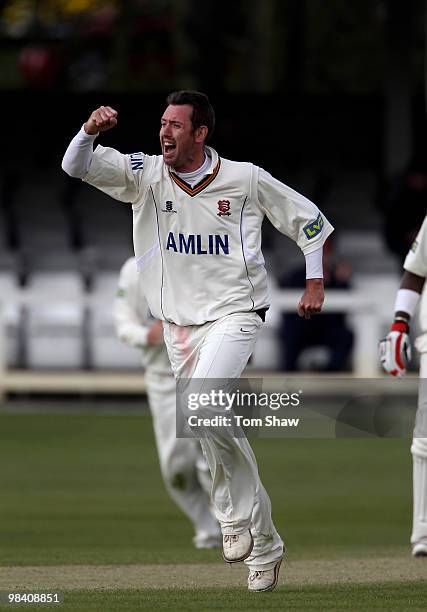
[[128, 325], [78, 155], [292, 214]]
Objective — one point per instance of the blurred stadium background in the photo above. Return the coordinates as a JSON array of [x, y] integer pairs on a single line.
[[327, 96]]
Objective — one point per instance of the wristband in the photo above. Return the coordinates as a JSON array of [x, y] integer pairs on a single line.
[[406, 301], [314, 264]]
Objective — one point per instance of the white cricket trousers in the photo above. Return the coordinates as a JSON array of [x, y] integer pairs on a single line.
[[184, 470], [220, 350], [419, 459]]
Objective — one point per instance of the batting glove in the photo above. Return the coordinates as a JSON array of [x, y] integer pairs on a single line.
[[395, 349]]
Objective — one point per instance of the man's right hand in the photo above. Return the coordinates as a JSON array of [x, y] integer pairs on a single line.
[[102, 119]]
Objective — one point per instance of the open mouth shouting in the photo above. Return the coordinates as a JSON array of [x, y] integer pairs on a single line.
[[169, 148]]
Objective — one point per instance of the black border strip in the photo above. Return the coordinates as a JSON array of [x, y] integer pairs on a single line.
[[243, 253], [161, 252]]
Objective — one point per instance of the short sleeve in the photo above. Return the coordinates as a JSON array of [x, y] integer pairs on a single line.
[[292, 213]]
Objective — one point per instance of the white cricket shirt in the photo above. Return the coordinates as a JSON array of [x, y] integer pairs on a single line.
[[198, 249]]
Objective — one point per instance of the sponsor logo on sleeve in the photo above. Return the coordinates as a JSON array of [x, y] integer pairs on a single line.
[[120, 293], [312, 229], [137, 161], [414, 246]]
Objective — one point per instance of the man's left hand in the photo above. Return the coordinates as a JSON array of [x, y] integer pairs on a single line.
[[312, 299]]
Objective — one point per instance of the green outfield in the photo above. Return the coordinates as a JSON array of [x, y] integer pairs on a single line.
[[84, 489]]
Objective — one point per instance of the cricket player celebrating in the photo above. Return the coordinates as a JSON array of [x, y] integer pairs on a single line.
[[184, 469], [394, 355], [197, 238]]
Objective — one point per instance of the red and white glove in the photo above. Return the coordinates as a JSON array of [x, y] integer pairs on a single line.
[[395, 349]]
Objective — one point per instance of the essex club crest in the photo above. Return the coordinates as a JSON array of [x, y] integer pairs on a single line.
[[224, 208]]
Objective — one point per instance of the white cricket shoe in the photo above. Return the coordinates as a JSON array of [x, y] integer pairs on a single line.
[[259, 582], [419, 549], [203, 539], [237, 548]]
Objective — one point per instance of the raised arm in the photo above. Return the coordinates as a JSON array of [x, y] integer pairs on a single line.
[[78, 156], [102, 119]]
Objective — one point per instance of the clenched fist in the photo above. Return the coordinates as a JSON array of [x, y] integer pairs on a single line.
[[312, 299], [102, 119]]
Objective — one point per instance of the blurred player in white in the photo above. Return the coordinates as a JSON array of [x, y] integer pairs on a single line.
[[197, 239], [184, 469], [394, 355]]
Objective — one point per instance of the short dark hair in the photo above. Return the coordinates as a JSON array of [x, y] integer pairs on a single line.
[[203, 112]]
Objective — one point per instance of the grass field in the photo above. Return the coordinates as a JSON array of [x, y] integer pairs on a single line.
[[83, 489]]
